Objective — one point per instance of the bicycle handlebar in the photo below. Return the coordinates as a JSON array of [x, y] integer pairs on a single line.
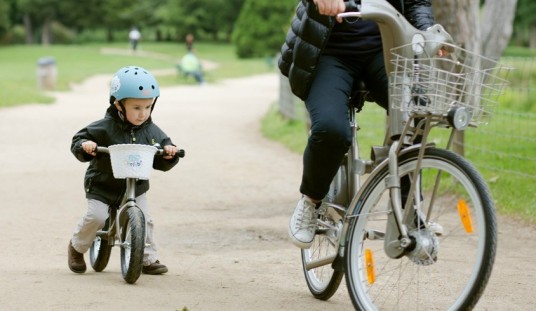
[[397, 31], [159, 151]]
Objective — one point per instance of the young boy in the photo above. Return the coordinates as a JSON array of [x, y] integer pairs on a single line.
[[133, 94]]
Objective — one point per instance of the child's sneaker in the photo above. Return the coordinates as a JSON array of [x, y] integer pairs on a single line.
[[302, 225], [155, 268]]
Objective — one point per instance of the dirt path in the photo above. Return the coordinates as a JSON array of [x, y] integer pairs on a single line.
[[221, 214]]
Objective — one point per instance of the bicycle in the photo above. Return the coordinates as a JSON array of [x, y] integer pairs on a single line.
[[432, 246], [125, 225]]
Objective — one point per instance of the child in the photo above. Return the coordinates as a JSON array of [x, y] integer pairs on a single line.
[[133, 94]]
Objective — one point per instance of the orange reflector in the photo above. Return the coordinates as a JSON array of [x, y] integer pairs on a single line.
[[465, 216], [369, 262]]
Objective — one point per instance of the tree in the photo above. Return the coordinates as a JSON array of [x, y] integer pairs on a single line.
[[261, 27], [203, 18], [4, 17], [525, 23], [41, 13], [487, 36], [497, 26], [483, 27]]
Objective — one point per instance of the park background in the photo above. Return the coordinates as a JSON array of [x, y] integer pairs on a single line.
[[236, 38]]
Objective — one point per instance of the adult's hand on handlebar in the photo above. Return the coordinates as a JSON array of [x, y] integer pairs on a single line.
[[442, 52], [330, 7]]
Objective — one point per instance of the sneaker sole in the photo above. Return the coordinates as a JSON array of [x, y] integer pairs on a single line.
[[156, 271], [298, 243]]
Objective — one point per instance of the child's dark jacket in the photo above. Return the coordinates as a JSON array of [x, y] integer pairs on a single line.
[[99, 182]]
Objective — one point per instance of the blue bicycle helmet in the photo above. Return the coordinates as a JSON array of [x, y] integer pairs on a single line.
[[133, 82]]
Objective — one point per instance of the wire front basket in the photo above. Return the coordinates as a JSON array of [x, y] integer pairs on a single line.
[[429, 84]]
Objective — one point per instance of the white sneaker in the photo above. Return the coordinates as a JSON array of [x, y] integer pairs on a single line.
[[302, 225]]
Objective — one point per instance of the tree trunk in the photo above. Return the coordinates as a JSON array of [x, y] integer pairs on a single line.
[[26, 19], [459, 17], [532, 36], [46, 32], [109, 34], [497, 26], [488, 36]]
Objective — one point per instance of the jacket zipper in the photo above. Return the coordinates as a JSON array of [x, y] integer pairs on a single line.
[[132, 138]]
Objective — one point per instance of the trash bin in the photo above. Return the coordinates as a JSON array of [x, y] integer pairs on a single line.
[[46, 73]]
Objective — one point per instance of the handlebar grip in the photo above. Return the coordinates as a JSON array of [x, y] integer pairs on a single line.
[[180, 153], [101, 149]]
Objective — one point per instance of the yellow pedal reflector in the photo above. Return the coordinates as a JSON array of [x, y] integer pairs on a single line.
[[369, 262], [465, 216]]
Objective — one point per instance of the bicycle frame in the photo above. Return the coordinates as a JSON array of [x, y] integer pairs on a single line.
[[117, 214], [395, 31]]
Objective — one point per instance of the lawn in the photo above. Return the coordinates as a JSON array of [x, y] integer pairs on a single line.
[[18, 65]]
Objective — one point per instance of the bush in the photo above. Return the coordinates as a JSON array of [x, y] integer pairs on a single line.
[[261, 27], [16, 35], [62, 34]]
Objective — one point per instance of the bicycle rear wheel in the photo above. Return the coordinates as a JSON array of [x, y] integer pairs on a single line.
[[100, 250], [450, 264], [133, 237], [323, 280]]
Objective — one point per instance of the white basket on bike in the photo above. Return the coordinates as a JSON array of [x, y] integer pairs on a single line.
[[132, 160], [430, 84]]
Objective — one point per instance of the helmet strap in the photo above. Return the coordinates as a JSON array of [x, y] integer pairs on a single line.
[[154, 103], [123, 111]]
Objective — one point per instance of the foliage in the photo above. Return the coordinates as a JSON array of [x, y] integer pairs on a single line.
[[258, 30], [169, 19], [5, 22], [203, 18], [525, 23]]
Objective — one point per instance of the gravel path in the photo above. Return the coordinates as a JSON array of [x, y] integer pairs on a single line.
[[221, 214]]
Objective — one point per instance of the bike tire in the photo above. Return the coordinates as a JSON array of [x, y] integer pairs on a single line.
[[324, 281], [451, 274], [99, 252], [132, 248]]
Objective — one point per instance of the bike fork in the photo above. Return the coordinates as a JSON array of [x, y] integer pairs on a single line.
[[397, 239], [396, 236]]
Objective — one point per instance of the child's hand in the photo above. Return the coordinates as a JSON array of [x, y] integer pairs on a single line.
[[169, 152], [89, 147]]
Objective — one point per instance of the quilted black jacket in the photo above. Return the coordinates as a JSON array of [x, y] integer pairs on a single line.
[[99, 182], [309, 33]]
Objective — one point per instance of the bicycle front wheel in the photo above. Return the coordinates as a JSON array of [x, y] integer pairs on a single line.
[[453, 232], [133, 238]]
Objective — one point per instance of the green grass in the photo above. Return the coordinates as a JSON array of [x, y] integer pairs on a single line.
[[518, 51], [74, 63], [505, 153]]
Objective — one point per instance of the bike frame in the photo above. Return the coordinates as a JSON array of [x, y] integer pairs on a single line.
[[395, 31], [117, 214]]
